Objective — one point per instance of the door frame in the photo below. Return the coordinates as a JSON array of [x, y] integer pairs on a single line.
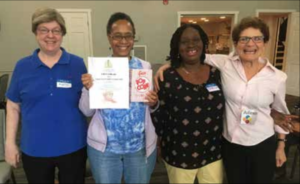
[[258, 11], [181, 13], [234, 13], [293, 63], [89, 23], [279, 11]]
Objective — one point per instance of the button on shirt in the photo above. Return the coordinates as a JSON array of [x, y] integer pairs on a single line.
[[52, 124], [264, 91]]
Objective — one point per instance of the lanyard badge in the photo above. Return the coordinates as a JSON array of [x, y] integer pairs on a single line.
[[248, 117], [64, 84], [212, 87]]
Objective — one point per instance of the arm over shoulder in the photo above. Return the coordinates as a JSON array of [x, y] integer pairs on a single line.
[[217, 60]]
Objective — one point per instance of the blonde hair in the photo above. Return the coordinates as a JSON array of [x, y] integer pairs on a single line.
[[45, 15]]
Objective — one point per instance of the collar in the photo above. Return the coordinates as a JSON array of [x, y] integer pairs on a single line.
[[64, 58], [131, 60], [235, 57], [131, 57]]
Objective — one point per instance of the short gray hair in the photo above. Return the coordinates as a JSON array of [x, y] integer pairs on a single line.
[[45, 15]]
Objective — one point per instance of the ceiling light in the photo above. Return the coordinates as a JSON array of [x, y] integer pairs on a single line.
[[222, 17], [194, 22], [191, 21], [203, 18], [206, 20]]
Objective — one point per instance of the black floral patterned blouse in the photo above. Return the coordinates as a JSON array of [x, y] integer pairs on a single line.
[[189, 120]]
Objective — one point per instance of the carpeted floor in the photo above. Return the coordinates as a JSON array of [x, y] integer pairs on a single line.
[[160, 175]]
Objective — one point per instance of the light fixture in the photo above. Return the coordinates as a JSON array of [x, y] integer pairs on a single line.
[[206, 20], [191, 21], [194, 22], [222, 17], [203, 18]]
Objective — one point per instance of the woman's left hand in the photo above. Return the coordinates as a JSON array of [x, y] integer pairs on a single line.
[[151, 98], [280, 154]]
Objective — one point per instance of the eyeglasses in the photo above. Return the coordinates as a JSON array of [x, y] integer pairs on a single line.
[[194, 41], [255, 39], [45, 31], [118, 37]]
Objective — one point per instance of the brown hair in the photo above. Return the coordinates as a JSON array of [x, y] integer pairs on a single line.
[[250, 22], [45, 15]]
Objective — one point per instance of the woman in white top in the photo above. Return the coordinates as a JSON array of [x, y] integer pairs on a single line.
[[252, 87]]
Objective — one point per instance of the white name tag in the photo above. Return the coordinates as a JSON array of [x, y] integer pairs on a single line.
[[212, 87], [248, 117], [63, 84]]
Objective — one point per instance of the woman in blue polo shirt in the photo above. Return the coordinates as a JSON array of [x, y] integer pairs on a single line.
[[121, 142], [45, 89]]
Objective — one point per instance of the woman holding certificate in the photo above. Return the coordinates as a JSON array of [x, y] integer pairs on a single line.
[[121, 142]]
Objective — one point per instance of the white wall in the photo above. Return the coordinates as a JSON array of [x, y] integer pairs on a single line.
[[155, 22]]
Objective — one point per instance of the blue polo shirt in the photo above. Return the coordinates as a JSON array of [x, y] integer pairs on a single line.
[[52, 124]]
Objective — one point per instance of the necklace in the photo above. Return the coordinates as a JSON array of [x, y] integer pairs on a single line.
[[187, 72]]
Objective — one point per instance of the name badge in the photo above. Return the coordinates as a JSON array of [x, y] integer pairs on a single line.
[[63, 84], [212, 87], [248, 117]]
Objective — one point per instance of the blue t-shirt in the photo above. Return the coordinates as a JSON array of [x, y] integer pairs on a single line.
[[126, 127], [52, 124]]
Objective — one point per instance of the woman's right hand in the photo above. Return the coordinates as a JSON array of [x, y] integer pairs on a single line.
[[160, 75], [294, 122], [281, 120], [12, 154], [87, 80]]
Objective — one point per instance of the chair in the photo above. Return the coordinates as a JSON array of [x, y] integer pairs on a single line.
[[6, 173], [3, 88]]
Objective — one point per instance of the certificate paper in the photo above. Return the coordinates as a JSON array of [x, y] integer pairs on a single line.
[[110, 88], [141, 83]]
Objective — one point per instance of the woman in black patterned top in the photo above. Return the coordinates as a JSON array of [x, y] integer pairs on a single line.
[[189, 118]]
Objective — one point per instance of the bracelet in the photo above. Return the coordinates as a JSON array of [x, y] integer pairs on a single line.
[[283, 140]]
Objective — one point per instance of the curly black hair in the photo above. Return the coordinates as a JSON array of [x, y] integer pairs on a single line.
[[118, 16], [175, 57]]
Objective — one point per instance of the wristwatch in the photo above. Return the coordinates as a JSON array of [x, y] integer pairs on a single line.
[[283, 140]]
